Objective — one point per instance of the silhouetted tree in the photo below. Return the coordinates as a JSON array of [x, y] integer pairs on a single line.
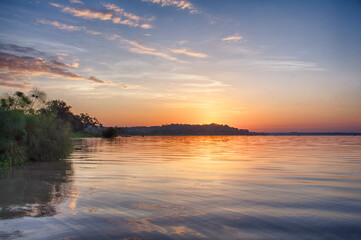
[[87, 121], [61, 108], [77, 122], [110, 132], [186, 129]]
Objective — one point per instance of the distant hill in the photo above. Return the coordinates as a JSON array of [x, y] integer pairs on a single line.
[[185, 129], [310, 133]]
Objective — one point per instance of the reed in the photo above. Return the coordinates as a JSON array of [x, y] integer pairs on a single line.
[[27, 137]]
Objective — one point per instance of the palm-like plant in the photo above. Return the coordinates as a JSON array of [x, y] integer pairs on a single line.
[[39, 99], [28, 104]]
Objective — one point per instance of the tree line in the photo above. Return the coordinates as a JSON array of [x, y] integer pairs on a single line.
[[186, 129]]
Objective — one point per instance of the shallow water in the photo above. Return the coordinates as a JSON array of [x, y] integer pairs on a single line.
[[193, 187]]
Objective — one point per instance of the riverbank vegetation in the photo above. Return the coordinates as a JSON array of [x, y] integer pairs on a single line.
[[110, 132], [33, 129]]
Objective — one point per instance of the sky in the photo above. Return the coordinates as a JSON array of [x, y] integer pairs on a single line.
[[260, 65]]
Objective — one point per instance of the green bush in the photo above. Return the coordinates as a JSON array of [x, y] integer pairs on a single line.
[[110, 132], [40, 137], [33, 129], [48, 138], [12, 138]]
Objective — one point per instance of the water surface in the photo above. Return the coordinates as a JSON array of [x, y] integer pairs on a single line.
[[193, 187]]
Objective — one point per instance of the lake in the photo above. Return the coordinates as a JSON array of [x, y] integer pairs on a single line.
[[189, 187]]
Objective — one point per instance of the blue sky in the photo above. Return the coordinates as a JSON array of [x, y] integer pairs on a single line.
[[262, 65]]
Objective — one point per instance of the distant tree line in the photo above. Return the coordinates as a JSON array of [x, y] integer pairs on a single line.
[[185, 129]]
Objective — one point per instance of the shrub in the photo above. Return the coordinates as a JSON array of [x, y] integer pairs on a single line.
[[36, 130], [40, 137], [110, 132], [48, 138], [12, 137]]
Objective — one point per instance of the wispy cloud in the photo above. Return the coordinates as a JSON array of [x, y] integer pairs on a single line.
[[182, 86], [56, 5], [76, 1], [181, 4], [14, 85], [114, 13], [61, 26], [122, 12], [14, 68], [112, 36], [92, 32], [234, 38], [84, 13], [95, 79], [284, 65], [127, 18], [182, 42], [74, 65], [88, 14], [129, 86], [9, 62], [146, 26], [189, 53], [14, 80], [62, 54], [136, 47], [19, 49], [199, 83], [62, 64], [67, 27], [128, 22]]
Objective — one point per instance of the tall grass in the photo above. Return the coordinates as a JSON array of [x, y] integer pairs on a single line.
[[32, 129], [12, 138], [41, 137], [48, 138]]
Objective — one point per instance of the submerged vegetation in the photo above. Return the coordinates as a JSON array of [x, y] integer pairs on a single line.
[[33, 129]]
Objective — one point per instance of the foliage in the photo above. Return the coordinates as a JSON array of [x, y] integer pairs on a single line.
[[34, 129], [12, 138], [88, 121], [110, 132], [78, 122], [28, 104], [30, 130], [48, 138]]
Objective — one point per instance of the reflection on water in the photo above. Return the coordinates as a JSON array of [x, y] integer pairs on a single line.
[[33, 190], [231, 187]]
